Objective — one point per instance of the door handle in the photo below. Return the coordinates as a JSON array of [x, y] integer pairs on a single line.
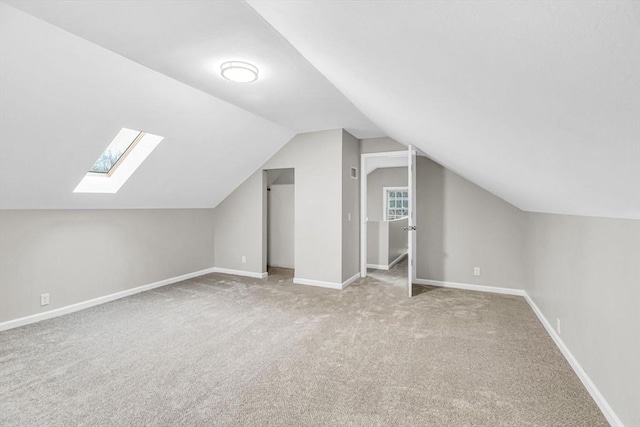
[[411, 228]]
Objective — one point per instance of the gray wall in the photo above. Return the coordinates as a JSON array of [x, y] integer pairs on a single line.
[[281, 226], [376, 181], [239, 227], [377, 242], [78, 255], [582, 270], [317, 160], [350, 207], [386, 241], [585, 271], [461, 226], [398, 239]]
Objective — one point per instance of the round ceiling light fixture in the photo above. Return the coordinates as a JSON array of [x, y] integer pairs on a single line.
[[238, 71]]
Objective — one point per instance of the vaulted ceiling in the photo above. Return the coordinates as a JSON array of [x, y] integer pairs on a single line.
[[538, 102]]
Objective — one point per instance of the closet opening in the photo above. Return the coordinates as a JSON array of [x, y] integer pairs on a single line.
[[280, 219]]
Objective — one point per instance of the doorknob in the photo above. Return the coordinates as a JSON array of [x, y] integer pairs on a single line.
[[411, 228]]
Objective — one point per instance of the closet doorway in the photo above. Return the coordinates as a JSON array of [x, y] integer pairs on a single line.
[[280, 218]]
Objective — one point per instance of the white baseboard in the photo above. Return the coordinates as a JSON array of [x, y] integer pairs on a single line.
[[479, 288], [323, 284], [320, 283], [387, 267], [575, 365], [350, 280], [397, 260], [604, 406], [240, 273], [10, 324]]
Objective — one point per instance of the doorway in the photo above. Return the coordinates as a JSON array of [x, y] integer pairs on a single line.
[[280, 219], [387, 206]]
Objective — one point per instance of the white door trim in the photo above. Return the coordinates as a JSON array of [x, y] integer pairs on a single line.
[[411, 233], [363, 203]]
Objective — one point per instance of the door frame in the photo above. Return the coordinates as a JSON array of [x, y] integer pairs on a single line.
[[363, 201], [412, 223]]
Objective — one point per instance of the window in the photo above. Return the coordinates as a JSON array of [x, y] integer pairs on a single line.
[[396, 203], [121, 145], [118, 162]]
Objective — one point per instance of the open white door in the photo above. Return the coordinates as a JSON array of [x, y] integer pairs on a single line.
[[411, 227]]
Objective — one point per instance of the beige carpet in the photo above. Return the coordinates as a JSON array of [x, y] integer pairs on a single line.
[[226, 350]]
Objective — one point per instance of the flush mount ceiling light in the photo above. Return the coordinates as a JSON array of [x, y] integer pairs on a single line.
[[238, 71]]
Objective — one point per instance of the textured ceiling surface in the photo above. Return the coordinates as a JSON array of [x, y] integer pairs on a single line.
[[188, 40], [537, 102], [63, 99]]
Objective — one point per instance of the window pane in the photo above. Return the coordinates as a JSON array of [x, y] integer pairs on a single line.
[[114, 151], [392, 203], [405, 194]]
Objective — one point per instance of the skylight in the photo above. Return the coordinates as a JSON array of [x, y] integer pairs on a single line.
[[118, 162], [123, 141]]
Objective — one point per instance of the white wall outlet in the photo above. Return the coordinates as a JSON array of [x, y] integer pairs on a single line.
[[558, 329], [44, 299], [476, 271], [349, 216], [244, 259]]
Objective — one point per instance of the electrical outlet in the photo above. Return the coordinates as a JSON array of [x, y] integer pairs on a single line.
[[476, 271], [349, 216], [558, 329], [44, 299], [244, 259]]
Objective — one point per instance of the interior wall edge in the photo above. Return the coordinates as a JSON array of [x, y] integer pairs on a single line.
[[588, 383], [595, 394], [471, 287], [80, 255], [72, 308]]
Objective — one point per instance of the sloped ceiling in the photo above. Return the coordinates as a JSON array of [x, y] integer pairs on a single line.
[[189, 40], [63, 99], [537, 102]]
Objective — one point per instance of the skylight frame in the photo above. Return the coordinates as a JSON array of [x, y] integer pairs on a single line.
[[122, 157], [126, 165]]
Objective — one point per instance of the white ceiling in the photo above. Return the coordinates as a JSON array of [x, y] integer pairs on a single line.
[[189, 40], [63, 99], [538, 102]]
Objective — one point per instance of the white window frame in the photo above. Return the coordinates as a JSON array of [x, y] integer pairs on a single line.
[[120, 172], [385, 197]]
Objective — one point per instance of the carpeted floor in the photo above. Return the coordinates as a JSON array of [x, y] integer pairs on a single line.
[[226, 350]]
